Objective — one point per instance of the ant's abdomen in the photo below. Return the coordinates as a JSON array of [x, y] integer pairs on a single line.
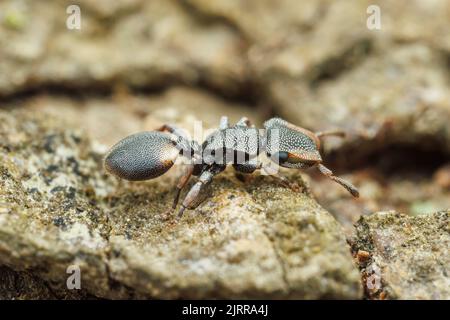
[[141, 156]]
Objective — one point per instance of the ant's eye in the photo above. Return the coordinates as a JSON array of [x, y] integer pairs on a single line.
[[281, 156]]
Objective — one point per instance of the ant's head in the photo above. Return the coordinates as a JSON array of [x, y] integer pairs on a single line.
[[291, 146], [294, 147]]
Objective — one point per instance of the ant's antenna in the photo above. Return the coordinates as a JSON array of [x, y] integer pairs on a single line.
[[347, 185]]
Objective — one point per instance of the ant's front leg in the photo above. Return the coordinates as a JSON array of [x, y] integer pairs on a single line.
[[285, 182], [294, 186]]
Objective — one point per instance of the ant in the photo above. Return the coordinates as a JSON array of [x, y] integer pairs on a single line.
[[150, 154]]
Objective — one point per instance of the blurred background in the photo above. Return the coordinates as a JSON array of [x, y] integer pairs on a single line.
[[134, 65]]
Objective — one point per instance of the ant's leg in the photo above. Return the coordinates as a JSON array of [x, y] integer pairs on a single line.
[[248, 165], [347, 185], [224, 124], [244, 170], [337, 133], [173, 129], [252, 165], [181, 184], [183, 141], [191, 200], [274, 173], [244, 122], [287, 183]]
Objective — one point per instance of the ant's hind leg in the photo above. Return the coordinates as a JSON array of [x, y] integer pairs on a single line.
[[183, 141], [181, 184], [172, 129]]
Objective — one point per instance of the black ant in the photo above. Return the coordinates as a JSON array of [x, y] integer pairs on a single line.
[[147, 155]]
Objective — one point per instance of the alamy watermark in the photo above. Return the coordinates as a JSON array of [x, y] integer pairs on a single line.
[[73, 21], [74, 280], [374, 19], [373, 281]]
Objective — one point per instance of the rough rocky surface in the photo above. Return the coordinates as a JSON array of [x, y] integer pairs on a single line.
[[256, 240], [23, 285], [136, 64], [403, 257], [137, 43], [395, 107], [394, 96], [414, 193]]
